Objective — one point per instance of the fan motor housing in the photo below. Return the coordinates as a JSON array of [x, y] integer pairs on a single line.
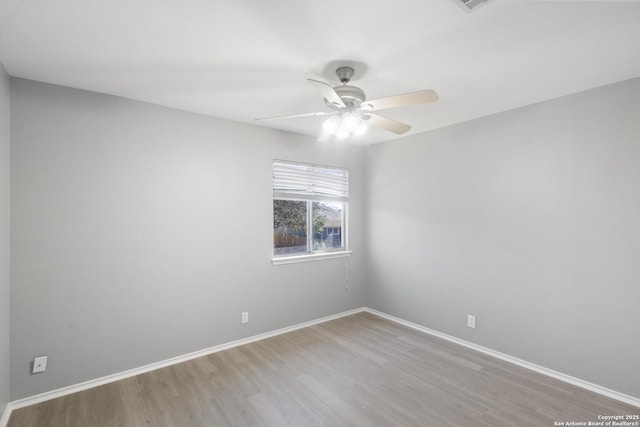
[[350, 95]]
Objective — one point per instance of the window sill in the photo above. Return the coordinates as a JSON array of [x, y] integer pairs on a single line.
[[309, 257]]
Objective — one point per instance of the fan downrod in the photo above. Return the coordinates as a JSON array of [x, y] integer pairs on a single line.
[[344, 74], [352, 96]]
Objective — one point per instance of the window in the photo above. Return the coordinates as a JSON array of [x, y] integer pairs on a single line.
[[309, 209]]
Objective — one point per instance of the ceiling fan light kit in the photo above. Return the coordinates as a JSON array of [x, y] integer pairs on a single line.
[[351, 114], [345, 125]]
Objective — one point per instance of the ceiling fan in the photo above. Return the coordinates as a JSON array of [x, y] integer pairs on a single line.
[[350, 112]]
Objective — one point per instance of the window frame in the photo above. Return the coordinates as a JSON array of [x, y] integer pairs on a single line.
[[312, 254]]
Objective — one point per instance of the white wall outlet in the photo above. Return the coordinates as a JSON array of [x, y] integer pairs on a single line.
[[245, 317], [471, 321], [39, 364]]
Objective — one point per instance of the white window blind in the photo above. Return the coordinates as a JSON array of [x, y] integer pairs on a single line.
[[309, 182]]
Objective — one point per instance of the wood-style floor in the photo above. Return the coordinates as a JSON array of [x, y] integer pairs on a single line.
[[360, 370]]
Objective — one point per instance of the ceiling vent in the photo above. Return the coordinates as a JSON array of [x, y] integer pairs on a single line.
[[470, 5]]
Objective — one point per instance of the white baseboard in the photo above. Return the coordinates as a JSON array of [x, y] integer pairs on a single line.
[[4, 419], [32, 400], [630, 400]]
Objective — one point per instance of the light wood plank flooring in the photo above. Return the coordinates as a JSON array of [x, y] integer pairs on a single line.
[[360, 370]]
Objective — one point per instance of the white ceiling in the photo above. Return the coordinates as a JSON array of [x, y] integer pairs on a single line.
[[244, 59]]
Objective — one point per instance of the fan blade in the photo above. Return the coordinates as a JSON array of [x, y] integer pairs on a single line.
[[328, 92], [412, 98], [291, 116], [387, 123]]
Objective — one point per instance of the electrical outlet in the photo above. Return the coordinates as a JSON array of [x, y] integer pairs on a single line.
[[245, 317], [39, 364], [471, 321]]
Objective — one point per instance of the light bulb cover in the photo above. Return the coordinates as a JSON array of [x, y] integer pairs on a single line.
[[331, 124], [341, 133], [350, 122], [361, 129]]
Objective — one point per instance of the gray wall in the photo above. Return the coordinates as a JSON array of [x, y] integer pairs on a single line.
[[528, 219], [4, 238], [141, 233]]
